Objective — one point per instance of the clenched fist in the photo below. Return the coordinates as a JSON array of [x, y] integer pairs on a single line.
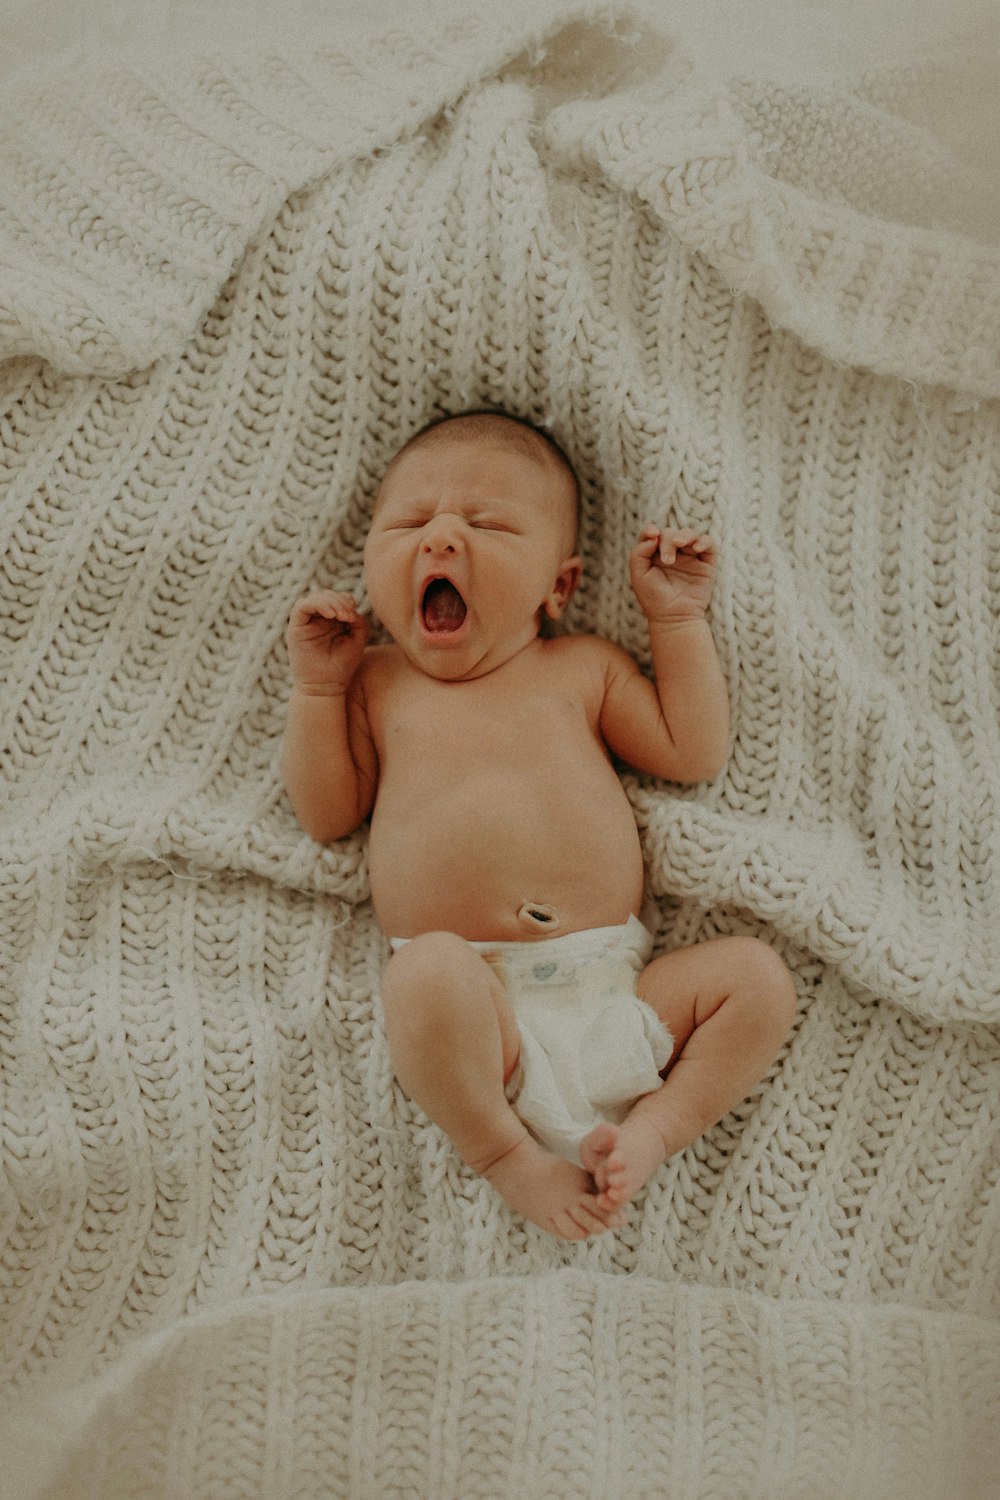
[[326, 637]]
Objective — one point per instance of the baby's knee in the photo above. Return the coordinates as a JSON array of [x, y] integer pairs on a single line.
[[422, 970], [764, 972]]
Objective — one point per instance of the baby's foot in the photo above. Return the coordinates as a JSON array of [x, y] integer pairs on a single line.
[[621, 1159], [551, 1192]]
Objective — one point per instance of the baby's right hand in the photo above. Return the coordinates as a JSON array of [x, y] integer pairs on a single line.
[[326, 638]]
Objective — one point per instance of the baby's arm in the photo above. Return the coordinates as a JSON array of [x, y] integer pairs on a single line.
[[679, 728], [328, 759]]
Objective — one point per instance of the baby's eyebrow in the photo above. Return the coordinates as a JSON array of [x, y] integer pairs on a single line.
[[474, 505], [495, 500]]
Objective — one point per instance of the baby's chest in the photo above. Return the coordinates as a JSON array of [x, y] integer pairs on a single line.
[[440, 726]]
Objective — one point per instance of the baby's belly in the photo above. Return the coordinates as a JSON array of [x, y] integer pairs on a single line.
[[481, 857]]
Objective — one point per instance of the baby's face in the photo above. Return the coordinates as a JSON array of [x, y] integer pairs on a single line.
[[468, 548]]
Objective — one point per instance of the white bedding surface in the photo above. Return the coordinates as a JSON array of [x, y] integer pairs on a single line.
[[234, 1260], [776, 37]]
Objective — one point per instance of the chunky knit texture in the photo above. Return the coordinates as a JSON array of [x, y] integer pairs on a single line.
[[234, 1260]]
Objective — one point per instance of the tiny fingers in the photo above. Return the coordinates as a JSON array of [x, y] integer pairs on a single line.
[[327, 603], [672, 540], [337, 604]]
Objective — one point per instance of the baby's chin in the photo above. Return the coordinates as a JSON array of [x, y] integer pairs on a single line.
[[461, 661]]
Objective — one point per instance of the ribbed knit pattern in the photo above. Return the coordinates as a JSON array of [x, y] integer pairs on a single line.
[[234, 1260]]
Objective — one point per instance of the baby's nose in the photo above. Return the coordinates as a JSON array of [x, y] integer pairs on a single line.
[[440, 535]]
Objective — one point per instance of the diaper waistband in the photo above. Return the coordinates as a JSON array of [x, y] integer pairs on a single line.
[[590, 942]]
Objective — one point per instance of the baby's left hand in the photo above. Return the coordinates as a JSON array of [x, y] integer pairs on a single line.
[[672, 573]]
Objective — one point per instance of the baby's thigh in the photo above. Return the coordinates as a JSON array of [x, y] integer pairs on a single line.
[[437, 980], [687, 986]]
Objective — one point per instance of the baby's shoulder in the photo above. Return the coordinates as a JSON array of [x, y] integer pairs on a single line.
[[587, 652], [589, 662]]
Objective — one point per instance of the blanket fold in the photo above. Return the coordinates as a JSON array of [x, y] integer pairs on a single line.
[[570, 1384], [232, 1253], [171, 178], [863, 287], [130, 195]]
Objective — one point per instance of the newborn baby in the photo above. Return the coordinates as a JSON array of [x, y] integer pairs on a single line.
[[522, 1010]]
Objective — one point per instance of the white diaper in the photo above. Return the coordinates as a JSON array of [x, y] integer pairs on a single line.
[[589, 1046]]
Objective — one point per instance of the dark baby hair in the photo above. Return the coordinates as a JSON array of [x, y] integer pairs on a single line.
[[492, 424]]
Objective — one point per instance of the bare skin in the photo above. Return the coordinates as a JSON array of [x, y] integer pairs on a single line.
[[483, 752]]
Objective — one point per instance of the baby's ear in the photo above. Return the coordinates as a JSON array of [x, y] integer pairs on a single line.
[[564, 587]]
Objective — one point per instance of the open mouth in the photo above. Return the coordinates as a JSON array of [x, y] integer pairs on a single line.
[[443, 608]]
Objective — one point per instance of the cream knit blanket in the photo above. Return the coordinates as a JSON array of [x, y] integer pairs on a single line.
[[234, 1260]]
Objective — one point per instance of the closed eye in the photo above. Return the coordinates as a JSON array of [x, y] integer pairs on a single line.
[[478, 523]]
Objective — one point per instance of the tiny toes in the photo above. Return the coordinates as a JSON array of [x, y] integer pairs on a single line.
[[586, 1226], [567, 1228]]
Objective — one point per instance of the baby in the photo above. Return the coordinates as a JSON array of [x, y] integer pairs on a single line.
[[522, 1010]]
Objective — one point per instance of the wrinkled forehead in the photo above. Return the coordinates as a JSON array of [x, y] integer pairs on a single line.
[[418, 467]]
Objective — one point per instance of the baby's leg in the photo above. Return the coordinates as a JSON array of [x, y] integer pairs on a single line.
[[729, 1004], [454, 1043]]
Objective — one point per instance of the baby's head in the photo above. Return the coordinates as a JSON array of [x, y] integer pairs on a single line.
[[471, 545], [488, 428]]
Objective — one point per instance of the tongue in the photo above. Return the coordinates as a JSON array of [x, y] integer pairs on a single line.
[[444, 607]]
